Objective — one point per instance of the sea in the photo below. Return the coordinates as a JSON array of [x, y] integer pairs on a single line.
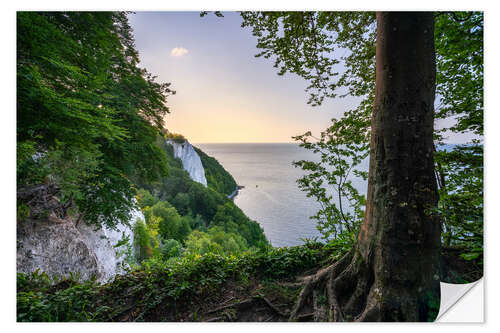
[[271, 195]]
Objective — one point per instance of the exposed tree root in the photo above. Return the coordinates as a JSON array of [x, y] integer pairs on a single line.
[[243, 304], [274, 308], [248, 303], [338, 292]]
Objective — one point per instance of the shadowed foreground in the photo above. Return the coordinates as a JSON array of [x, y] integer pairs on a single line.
[[262, 286]]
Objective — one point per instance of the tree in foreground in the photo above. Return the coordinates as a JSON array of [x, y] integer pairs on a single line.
[[392, 272]]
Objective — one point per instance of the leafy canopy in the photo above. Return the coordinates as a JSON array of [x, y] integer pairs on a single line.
[[87, 115], [335, 53]]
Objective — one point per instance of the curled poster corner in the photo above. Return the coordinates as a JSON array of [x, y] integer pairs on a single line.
[[462, 303]]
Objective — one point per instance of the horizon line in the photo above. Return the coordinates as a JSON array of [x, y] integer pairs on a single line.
[[241, 142]]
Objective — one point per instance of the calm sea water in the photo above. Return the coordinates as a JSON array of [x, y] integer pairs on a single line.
[[271, 195]]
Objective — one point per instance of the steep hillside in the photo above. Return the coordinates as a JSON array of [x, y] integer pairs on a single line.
[[177, 215], [217, 177], [190, 159], [181, 213]]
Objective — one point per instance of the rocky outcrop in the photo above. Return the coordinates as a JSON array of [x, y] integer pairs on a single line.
[[56, 246], [111, 260], [191, 162]]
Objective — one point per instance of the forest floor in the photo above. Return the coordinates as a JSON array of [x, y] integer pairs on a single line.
[[273, 300], [261, 287]]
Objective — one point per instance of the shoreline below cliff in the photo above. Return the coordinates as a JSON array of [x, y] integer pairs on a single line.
[[235, 192]]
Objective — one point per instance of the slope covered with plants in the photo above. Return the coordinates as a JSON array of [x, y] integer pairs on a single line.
[[90, 132], [217, 177], [184, 216]]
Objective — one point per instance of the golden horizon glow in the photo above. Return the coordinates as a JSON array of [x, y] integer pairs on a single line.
[[225, 94]]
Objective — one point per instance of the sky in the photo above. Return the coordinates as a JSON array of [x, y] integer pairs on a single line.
[[223, 92]]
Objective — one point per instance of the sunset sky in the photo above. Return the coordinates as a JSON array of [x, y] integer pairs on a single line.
[[224, 93]]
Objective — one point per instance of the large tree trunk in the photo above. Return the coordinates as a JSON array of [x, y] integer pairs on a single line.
[[392, 274], [400, 237]]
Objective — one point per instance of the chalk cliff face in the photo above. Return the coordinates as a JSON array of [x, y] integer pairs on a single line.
[[191, 162], [57, 247], [111, 259]]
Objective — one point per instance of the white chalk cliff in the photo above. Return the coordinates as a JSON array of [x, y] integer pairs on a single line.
[[111, 259], [191, 162], [57, 247]]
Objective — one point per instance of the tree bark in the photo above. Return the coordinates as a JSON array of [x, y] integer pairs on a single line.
[[392, 273], [399, 239]]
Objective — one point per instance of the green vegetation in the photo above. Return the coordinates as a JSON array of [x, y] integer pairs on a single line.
[[459, 85], [145, 240], [184, 218], [460, 71], [217, 177], [87, 115], [342, 212], [179, 138], [169, 223], [215, 240], [90, 122], [345, 143], [461, 199], [173, 290], [400, 147], [160, 289]]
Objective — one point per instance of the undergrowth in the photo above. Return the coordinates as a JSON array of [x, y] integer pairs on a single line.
[[168, 286]]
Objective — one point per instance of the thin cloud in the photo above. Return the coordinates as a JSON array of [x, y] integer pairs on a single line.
[[178, 52]]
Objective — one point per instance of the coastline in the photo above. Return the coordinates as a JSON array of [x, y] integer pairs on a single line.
[[235, 192]]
